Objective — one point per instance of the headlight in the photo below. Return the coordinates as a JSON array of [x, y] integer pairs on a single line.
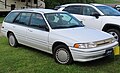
[[85, 45]]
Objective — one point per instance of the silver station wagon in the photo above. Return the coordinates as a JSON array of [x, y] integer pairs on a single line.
[[57, 33]]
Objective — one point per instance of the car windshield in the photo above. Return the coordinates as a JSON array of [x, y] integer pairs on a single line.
[[62, 20], [108, 11]]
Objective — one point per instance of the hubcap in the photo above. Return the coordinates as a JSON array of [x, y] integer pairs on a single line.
[[62, 55], [115, 35], [12, 40]]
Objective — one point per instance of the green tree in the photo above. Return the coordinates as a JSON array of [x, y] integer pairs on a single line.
[[53, 3]]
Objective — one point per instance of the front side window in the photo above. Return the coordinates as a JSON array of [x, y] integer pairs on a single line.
[[73, 9], [89, 11], [10, 18], [23, 18], [37, 21], [108, 11], [62, 20]]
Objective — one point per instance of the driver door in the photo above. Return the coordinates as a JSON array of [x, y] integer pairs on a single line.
[[89, 20]]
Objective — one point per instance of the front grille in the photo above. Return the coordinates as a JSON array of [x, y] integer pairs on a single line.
[[104, 42]]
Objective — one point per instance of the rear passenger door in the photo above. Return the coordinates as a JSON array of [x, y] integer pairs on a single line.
[[37, 35], [75, 10], [20, 26]]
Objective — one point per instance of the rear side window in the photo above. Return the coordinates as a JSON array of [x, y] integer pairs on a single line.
[[23, 18], [10, 18], [73, 9]]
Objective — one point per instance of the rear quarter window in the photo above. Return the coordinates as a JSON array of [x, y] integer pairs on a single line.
[[10, 17]]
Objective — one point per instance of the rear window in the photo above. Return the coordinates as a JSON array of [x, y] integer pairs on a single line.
[[10, 17]]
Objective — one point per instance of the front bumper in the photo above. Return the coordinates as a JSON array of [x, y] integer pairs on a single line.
[[84, 55]]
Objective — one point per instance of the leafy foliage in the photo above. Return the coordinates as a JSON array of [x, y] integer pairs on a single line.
[[1, 19], [53, 3]]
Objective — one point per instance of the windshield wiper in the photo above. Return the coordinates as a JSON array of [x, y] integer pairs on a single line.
[[68, 26], [117, 15], [60, 27], [76, 26]]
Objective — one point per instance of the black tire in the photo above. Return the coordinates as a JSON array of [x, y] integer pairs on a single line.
[[62, 55], [115, 33], [12, 40]]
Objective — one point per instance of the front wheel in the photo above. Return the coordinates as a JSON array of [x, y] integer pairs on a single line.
[[115, 33], [62, 55]]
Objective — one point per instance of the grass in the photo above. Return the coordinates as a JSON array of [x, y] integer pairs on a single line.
[[1, 19], [28, 60]]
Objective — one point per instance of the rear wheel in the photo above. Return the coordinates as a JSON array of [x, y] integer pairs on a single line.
[[12, 40], [62, 55], [115, 33]]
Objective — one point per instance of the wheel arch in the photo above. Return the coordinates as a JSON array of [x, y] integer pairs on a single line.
[[56, 44], [110, 26], [9, 33]]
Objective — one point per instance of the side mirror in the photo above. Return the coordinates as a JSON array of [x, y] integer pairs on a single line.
[[81, 22], [96, 15]]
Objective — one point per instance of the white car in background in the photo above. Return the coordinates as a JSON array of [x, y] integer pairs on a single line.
[[57, 33], [96, 16]]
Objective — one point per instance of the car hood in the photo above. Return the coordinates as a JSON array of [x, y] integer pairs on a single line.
[[82, 34]]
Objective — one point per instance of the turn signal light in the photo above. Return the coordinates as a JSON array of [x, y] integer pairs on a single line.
[[76, 45]]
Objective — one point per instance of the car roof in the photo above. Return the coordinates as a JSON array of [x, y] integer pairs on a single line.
[[38, 10], [98, 4], [91, 4]]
